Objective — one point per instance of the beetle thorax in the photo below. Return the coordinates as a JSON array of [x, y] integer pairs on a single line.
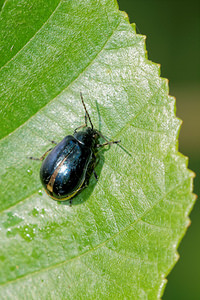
[[88, 137]]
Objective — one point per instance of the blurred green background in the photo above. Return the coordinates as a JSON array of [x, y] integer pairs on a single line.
[[172, 28]]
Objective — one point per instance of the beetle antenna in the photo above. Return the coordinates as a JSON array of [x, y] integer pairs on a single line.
[[86, 110]]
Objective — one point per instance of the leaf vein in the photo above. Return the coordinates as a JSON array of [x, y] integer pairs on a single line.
[[90, 250]]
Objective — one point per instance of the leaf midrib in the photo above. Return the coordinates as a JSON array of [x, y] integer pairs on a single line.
[[3, 4], [113, 138], [12, 58], [64, 89]]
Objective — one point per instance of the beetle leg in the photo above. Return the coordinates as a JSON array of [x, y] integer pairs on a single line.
[[53, 142], [33, 158], [42, 157], [95, 175], [107, 143]]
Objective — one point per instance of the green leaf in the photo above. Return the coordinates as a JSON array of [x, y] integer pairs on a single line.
[[119, 238]]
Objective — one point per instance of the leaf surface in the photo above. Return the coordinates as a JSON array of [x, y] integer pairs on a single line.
[[120, 236]]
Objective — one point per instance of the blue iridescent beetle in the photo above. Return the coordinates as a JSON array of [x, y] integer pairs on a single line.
[[66, 170]]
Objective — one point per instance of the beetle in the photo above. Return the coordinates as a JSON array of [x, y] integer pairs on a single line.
[[66, 168]]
